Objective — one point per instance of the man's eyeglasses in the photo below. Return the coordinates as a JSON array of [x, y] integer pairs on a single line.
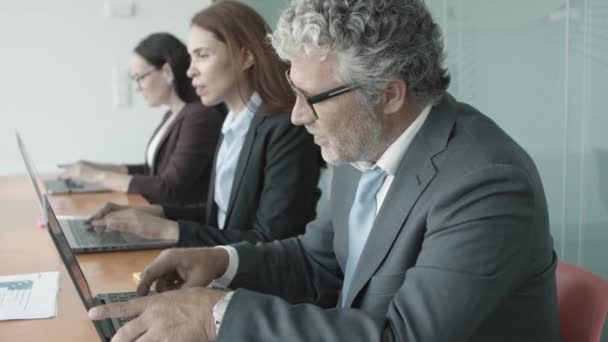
[[326, 95], [139, 78]]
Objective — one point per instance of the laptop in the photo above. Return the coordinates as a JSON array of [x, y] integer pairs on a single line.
[[61, 186], [80, 238], [105, 328]]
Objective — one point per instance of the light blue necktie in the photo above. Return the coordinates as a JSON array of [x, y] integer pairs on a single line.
[[360, 222]]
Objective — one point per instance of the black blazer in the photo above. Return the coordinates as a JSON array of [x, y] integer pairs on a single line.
[[182, 165], [274, 193]]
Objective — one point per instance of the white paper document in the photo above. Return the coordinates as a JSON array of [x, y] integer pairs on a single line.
[[29, 296]]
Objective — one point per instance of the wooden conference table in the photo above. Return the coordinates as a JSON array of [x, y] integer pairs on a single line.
[[26, 248]]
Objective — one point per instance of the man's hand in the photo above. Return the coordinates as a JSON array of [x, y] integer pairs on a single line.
[[183, 268], [137, 222], [183, 315]]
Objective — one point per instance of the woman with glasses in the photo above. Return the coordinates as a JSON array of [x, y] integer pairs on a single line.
[[265, 175], [178, 158]]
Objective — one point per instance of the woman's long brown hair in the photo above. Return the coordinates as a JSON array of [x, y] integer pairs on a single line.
[[241, 27]]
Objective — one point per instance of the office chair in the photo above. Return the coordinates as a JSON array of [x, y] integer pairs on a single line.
[[583, 303]]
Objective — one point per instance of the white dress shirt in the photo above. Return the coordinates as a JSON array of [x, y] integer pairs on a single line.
[[389, 161]]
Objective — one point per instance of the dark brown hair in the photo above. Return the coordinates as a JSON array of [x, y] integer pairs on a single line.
[[241, 27], [163, 48]]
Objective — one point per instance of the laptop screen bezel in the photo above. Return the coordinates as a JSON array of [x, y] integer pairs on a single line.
[[29, 165], [68, 257]]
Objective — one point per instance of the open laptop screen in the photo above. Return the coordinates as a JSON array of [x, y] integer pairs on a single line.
[[31, 172], [69, 260]]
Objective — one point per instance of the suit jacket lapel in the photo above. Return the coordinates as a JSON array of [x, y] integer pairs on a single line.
[[241, 166], [180, 116], [162, 122], [415, 172], [210, 207]]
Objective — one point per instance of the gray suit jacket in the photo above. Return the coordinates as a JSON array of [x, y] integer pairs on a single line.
[[460, 251]]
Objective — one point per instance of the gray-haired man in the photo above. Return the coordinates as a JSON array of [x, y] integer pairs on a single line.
[[436, 229]]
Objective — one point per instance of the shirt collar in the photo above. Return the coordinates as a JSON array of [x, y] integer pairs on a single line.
[[240, 124], [391, 158]]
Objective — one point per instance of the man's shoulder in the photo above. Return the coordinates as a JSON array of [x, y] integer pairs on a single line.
[[478, 141]]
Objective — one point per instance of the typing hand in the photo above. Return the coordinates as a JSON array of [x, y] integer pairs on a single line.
[[183, 268], [81, 170], [137, 222], [101, 213], [110, 207], [183, 315]]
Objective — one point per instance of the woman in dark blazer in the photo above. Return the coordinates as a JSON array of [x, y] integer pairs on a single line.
[[178, 158], [266, 170]]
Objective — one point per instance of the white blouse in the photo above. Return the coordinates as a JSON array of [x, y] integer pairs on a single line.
[[155, 142]]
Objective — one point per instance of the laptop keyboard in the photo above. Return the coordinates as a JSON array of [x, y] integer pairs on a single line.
[[121, 296], [85, 237]]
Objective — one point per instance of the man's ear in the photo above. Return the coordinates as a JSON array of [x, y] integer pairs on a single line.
[[247, 59], [394, 97], [168, 73]]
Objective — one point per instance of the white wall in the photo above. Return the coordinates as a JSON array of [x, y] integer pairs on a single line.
[[56, 62], [269, 9]]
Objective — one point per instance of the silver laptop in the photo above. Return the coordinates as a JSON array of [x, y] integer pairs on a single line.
[[105, 328], [61, 186], [78, 235]]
